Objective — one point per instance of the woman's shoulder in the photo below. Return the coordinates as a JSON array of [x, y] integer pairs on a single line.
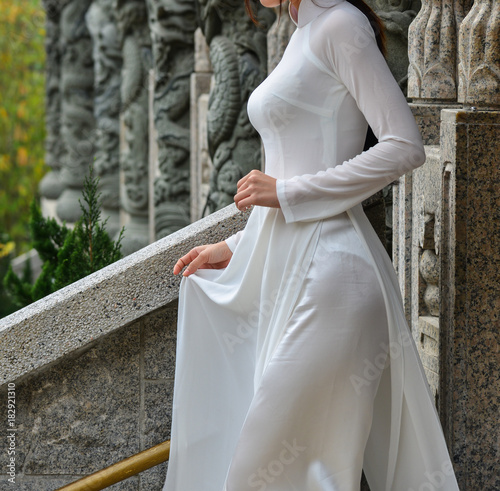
[[341, 19], [340, 31]]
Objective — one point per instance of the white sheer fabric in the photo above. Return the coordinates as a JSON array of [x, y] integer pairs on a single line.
[[295, 367]]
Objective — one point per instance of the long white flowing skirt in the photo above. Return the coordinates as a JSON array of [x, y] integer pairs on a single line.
[[295, 368], [304, 422]]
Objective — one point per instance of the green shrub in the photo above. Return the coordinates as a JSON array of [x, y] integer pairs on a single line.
[[67, 255]]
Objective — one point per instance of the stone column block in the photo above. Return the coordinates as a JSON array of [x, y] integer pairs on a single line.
[[470, 254]]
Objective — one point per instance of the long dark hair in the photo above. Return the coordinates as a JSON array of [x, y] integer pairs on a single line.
[[376, 23]]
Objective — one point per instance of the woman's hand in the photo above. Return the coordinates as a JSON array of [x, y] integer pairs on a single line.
[[256, 188], [213, 256]]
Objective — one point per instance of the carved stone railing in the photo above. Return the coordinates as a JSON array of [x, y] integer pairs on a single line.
[[105, 301], [91, 366]]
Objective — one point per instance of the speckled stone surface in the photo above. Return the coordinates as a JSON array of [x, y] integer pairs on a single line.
[[426, 194], [479, 60], [96, 407], [428, 118], [433, 42], [80, 314], [470, 291]]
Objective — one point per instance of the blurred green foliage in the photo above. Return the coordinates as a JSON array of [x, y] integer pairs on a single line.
[[22, 114], [7, 247]]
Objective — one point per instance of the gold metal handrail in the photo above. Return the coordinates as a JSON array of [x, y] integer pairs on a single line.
[[121, 470]]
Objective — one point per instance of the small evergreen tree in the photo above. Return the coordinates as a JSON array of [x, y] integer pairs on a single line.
[[67, 255]]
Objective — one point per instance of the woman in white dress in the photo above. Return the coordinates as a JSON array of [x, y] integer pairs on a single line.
[[295, 367]]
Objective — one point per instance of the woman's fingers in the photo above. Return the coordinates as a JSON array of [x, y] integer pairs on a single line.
[[188, 258], [242, 200], [256, 188], [213, 256], [196, 264]]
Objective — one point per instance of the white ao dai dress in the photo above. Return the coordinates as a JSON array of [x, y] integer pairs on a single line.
[[295, 366]]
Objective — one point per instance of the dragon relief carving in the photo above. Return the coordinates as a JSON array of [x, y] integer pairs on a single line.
[[172, 25], [238, 53]]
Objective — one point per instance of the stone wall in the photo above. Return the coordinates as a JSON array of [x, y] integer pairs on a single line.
[[104, 402]]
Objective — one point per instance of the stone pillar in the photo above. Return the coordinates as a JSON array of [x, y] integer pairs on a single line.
[[479, 67], [201, 164], [77, 117], [470, 245], [136, 53], [432, 53], [470, 291], [101, 22], [51, 186], [432, 85], [238, 54], [172, 24], [446, 240]]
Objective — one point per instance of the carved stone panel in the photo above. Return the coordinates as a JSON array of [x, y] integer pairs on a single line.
[[136, 53], [51, 186], [172, 24], [101, 21], [416, 257], [77, 106], [238, 54]]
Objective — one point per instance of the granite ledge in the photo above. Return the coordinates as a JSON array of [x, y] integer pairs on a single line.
[[468, 116], [76, 316]]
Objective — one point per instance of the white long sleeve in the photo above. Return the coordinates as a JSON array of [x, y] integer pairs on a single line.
[[347, 48], [232, 241]]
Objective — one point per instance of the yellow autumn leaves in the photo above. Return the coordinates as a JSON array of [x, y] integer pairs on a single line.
[[22, 115]]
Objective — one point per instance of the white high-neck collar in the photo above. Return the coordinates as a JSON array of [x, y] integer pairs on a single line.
[[310, 9]]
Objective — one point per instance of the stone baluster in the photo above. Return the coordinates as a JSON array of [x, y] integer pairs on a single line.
[[432, 39], [77, 101], [172, 24], [479, 53], [136, 53], [432, 52], [238, 53], [101, 22], [51, 186]]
